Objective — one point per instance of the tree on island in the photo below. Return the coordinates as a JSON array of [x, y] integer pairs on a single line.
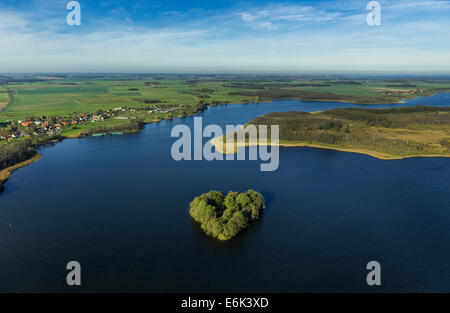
[[223, 217]]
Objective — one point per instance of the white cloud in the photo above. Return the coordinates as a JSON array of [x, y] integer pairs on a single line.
[[267, 25], [11, 21], [292, 13], [247, 17], [431, 5]]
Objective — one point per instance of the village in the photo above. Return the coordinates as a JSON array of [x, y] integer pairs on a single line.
[[403, 92], [52, 125]]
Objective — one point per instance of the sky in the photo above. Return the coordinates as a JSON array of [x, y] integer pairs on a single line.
[[225, 36]]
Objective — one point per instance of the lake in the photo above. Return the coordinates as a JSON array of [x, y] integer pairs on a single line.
[[119, 206]]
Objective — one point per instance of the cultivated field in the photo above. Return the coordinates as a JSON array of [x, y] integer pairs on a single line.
[[4, 98], [67, 95]]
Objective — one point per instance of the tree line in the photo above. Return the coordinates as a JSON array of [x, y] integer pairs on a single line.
[[21, 150]]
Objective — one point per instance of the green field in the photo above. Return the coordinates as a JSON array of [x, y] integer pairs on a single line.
[[65, 96], [4, 98], [37, 99], [74, 132]]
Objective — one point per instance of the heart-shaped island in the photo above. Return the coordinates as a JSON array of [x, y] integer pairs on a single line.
[[223, 217]]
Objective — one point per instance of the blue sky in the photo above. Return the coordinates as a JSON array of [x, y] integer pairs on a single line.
[[224, 36]]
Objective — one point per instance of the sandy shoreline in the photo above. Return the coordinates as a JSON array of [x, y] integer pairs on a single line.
[[218, 144]]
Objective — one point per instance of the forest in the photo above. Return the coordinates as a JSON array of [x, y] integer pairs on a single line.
[[395, 132], [21, 150]]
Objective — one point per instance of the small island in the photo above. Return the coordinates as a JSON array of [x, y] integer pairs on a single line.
[[224, 217]]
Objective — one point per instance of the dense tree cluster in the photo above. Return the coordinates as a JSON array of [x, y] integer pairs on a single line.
[[21, 150], [222, 216], [394, 117]]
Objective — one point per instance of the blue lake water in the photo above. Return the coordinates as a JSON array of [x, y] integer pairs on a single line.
[[119, 206]]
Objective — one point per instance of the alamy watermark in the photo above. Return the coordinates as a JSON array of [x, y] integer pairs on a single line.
[[74, 16], [192, 147], [374, 276], [374, 17], [73, 278]]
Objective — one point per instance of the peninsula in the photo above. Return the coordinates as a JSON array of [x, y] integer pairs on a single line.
[[394, 133]]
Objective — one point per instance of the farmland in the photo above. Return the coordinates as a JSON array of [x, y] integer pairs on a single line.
[[57, 98], [4, 98], [67, 95]]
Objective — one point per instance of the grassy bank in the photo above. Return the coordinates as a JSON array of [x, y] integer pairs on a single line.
[[109, 126], [382, 133]]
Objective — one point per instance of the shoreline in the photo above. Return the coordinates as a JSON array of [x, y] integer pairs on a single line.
[[5, 173], [375, 154]]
